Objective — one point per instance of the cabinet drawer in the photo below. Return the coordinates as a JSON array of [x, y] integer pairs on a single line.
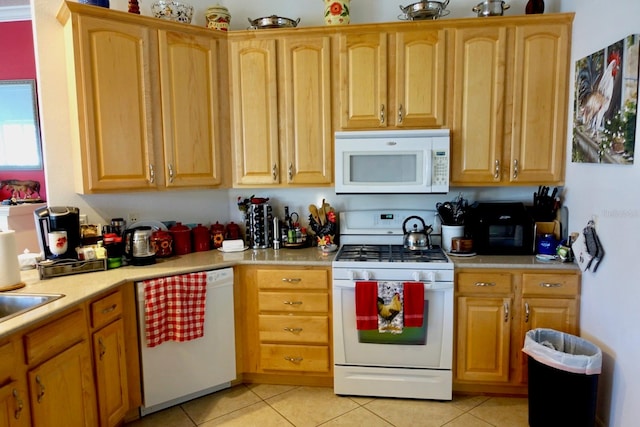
[[293, 302], [483, 282], [550, 284], [54, 337], [294, 329], [106, 309], [292, 279], [294, 358]]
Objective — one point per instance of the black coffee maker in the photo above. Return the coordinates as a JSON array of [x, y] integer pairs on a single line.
[[58, 218]]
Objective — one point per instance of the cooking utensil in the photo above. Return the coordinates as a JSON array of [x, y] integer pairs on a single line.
[[424, 10], [490, 8], [272, 21], [416, 239]]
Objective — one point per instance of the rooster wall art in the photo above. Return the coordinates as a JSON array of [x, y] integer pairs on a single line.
[[606, 98]]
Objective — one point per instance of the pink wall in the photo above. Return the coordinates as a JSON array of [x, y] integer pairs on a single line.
[[18, 62]]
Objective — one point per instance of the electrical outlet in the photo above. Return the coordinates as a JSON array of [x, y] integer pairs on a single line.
[[133, 217]]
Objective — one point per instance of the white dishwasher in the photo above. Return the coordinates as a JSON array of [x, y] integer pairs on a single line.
[[174, 372]]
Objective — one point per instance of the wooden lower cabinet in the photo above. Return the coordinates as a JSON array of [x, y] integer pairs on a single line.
[[494, 311], [14, 399], [285, 324]]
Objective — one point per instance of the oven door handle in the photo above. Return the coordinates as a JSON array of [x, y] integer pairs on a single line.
[[348, 284]]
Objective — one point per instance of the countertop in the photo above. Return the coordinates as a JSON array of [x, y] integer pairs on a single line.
[[81, 287], [78, 288]]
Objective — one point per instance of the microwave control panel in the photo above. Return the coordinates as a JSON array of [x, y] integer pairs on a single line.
[[440, 167]]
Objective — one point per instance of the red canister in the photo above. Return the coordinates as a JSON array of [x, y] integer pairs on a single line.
[[201, 239], [217, 235], [181, 239], [232, 231], [162, 243]]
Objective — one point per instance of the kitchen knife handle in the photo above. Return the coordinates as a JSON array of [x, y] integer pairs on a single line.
[[152, 174], [400, 114], [496, 174], [526, 312], [170, 166], [515, 168], [381, 114]]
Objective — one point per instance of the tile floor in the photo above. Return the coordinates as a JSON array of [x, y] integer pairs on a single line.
[[276, 405]]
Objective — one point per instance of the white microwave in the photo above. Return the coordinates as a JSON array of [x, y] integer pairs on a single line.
[[392, 161]]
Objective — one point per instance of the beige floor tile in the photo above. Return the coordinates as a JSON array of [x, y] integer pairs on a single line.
[[504, 411], [259, 414], [362, 400], [265, 391], [221, 403], [406, 412], [467, 420], [311, 406], [359, 417], [466, 403], [171, 417]]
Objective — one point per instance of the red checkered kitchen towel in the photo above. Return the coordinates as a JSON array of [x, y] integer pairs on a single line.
[[174, 308]]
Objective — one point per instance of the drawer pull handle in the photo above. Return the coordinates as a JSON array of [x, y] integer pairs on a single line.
[[506, 312], [485, 284], [109, 309], [550, 285], [293, 359], [293, 330], [19, 404], [526, 312], [40, 388], [516, 168], [382, 114], [292, 302], [400, 114], [496, 173], [274, 171], [291, 279], [152, 174], [170, 167], [103, 348]]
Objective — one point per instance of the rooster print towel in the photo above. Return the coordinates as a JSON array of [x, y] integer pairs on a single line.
[[390, 312]]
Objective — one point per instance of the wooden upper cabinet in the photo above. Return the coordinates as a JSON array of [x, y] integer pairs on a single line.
[[539, 99], [305, 106], [477, 64], [189, 92], [254, 103], [363, 78], [113, 99], [509, 94], [281, 110], [419, 79], [392, 79]]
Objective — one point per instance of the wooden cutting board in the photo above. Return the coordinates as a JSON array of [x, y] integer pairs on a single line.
[[12, 287]]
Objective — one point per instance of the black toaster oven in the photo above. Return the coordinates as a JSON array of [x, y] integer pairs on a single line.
[[501, 228]]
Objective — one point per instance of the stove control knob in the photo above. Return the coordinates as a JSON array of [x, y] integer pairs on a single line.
[[431, 277], [416, 276], [366, 275], [351, 274]]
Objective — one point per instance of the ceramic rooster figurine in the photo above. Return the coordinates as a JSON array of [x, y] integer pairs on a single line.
[[322, 221]]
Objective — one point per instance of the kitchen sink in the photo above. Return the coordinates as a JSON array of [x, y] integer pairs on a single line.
[[13, 304]]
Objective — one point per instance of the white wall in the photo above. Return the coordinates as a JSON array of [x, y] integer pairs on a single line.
[[609, 315], [610, 297]]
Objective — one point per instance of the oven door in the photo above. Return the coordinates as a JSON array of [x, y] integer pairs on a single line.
[[429, 347]]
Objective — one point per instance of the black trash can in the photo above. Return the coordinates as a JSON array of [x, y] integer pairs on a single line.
[[563, 379]]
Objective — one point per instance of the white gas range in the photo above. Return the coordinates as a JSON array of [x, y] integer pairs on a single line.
[[370, 361]]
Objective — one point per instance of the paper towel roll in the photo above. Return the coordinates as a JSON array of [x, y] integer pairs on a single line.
[[9, 267]]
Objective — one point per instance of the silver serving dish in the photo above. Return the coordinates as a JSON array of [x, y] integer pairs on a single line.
[[424, 10], [272, 21], [490, 8]]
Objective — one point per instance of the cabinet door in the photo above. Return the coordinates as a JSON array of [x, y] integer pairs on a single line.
[[254, 100], [113, 91], [363, 80], [61, 390], [13, 405], [305, 106], [419, 79], [483, 342], [477, 59], [540, 79], [111, 373], [189, 91]]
